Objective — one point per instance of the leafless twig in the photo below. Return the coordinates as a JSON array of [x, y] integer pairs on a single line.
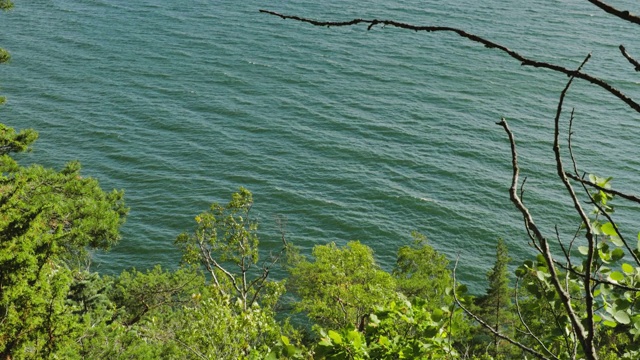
[[524, 61]]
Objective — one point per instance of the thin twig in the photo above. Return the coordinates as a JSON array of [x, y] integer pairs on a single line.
[[524, 61], [633, 198], [487, 326], [586, 342]]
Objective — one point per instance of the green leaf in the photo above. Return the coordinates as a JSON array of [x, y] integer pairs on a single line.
[[335, 337], [583, 250], [616, 276], [628, 269], [608, 229], [285, 340], [622, 317], [615, 239], [461, 290], [617, 254], [437, 315], [384, 341], [610, 323]]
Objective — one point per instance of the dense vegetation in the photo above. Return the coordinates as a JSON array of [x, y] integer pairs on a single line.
[[221, 302]]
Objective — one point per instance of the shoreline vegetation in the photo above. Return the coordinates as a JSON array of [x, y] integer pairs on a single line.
[[577, 299]]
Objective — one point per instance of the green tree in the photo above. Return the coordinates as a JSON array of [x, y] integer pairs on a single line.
[[219, 327], [48, 222], [49, 219], [496, 307], [227, 237], [421, 271], [341, 286]]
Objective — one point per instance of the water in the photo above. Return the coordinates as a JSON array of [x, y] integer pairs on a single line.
[[345, 133]]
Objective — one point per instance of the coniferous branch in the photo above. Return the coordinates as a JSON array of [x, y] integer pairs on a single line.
[[524, 61]]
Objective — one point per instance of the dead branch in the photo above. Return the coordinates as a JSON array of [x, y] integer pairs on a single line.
[[487, 326], [633, 198], [524, 61], [633, 61], [622, 14], [586, 342], [546, 252]]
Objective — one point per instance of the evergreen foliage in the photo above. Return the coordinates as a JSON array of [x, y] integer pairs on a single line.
[[496, 306]]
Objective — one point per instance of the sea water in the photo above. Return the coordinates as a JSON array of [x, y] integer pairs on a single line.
[[341, 133]]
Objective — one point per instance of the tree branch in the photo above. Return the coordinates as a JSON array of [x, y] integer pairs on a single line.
[[546, 252], [622, 14], [633, 61], [487, 326], [586, 342], [524, 61], [633, 198]]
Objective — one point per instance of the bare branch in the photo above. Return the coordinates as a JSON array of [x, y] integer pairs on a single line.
[[487, 326], [524, 61], [633, 61], [524, 323], [545, 250], [586, 342], [622, 14]]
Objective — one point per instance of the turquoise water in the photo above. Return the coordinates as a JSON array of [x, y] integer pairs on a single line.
[[345, 133]]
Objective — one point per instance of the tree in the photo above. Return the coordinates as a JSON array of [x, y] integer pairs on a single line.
[[496, 306], [227, 235], [341, 286], [421, 271], [398, 330], [49, 220], [596, 290]]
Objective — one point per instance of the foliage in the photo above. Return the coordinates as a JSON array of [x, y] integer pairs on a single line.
[[496, 306], [341, 286], [222, 328], [139, 296], [402, 330], [421, 271], [5, 4], [227, 236], [48, 221]]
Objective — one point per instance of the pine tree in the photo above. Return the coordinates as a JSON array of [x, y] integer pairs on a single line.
[[496, 305]]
